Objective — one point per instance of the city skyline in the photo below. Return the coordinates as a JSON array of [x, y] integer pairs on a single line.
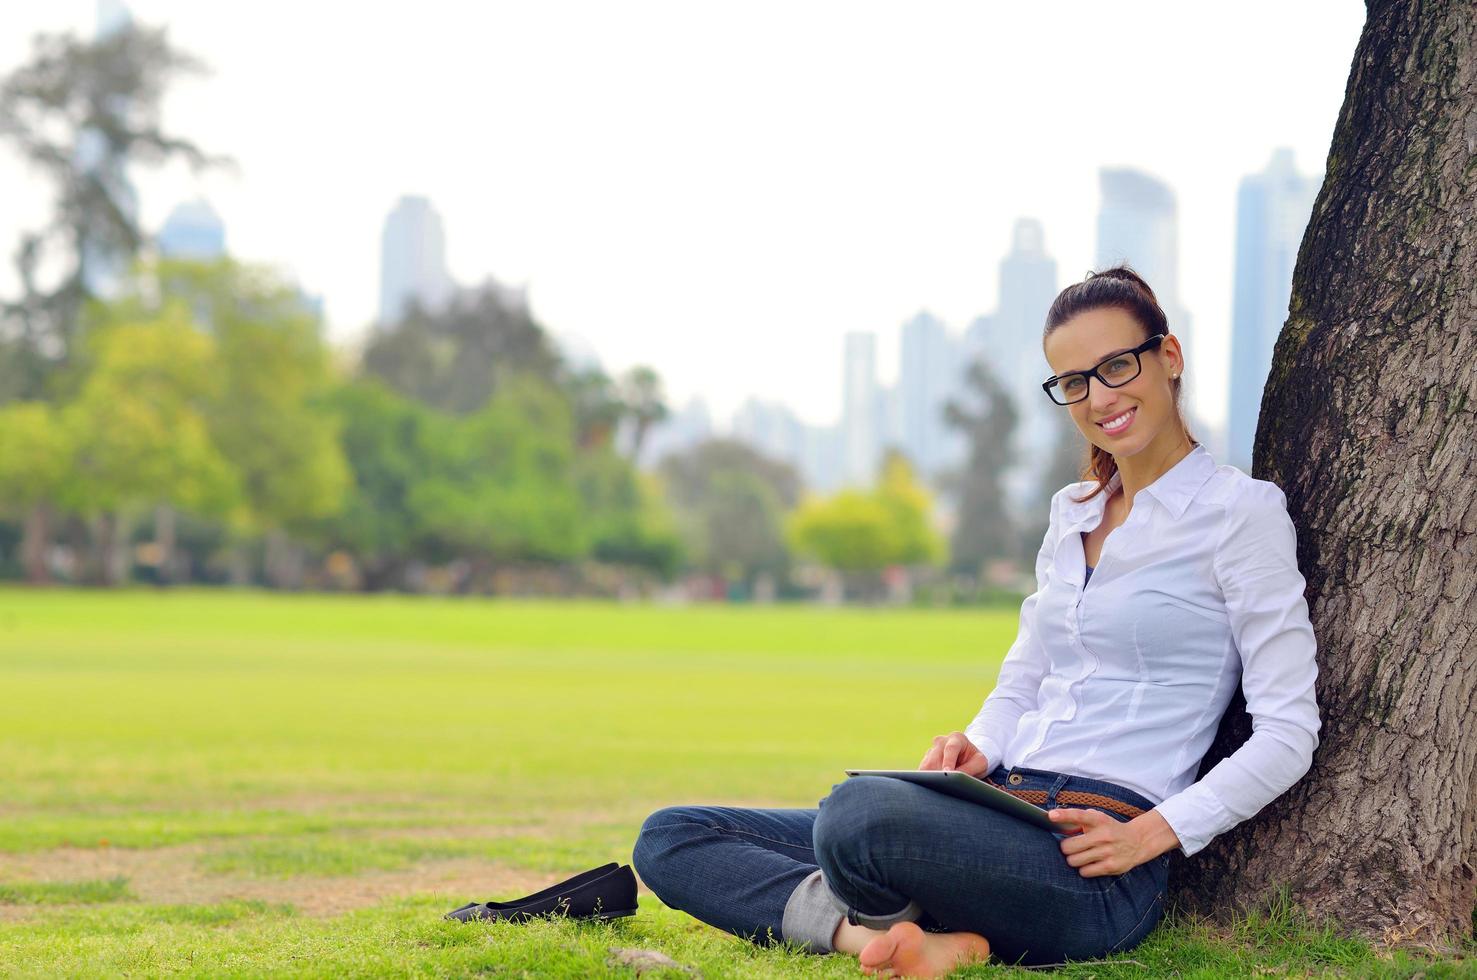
[[846, 188], [1137, 223]]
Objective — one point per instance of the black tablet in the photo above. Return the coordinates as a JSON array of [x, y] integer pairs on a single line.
[[967, 787]]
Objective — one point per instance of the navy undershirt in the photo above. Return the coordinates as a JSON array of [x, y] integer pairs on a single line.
[[1089, 575]]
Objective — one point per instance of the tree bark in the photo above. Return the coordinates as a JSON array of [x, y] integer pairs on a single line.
[[282, 565], [165, 538], [110, 561], [1368, 424], [34, 539]]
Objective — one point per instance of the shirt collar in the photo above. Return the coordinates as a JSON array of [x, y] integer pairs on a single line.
[[1175, 488]]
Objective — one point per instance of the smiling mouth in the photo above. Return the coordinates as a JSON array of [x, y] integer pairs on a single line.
[[1121, 421]]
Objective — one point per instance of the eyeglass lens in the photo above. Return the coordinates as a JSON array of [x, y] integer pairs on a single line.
[[1115, 371]]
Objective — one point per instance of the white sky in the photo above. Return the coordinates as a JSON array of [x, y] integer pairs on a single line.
[[724, 191]]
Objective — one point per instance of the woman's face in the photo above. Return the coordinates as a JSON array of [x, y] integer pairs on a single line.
[[1089, 338]]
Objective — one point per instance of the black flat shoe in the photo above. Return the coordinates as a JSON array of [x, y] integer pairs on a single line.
[[607, 892], [578, 879]]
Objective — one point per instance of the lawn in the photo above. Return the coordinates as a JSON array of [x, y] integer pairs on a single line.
[[211, 783]]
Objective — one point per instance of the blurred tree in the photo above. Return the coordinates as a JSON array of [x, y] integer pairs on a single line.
[[641, 391], [455, 359], [502, 481], [35, 459], [387, 440], [82, 112], [140, 431], [268, 416], [984, 529], [628, 520], [852, 532], [597, 407], [730, 502], [739, 528], [690, 474], [861, 533], [909, 507], [494, 487]]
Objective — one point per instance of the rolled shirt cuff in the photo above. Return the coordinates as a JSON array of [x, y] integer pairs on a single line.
[[810, 915], [1196, 815]]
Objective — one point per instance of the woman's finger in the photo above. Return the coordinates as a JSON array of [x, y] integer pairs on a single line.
[[1101, 868], [1088, 857], [953, 748], [1078, 843], [1084, 820], [934, 758]]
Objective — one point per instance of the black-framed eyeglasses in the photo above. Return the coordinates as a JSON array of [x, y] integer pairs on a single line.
[[1115, 372]]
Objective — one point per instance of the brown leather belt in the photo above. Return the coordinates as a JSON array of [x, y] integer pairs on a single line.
[[1071, 798]]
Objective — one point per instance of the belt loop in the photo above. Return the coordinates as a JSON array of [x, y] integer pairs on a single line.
[[1056, 786]]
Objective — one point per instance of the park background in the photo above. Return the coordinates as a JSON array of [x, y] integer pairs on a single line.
[[473, 430]]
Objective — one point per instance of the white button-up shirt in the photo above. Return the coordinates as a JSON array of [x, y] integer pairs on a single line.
[[1125, 678]]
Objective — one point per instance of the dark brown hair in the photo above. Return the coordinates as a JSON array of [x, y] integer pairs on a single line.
[[1116, 288]]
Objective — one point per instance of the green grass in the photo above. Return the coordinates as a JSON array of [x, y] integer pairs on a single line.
[[244, 757], [90, 892]]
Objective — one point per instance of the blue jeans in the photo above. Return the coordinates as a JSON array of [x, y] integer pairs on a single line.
[[878, 851]]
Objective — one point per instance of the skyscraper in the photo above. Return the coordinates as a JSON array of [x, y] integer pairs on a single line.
[[1272, 211], [412, 260], [104, 268], [928, 374], [112, 16], [859, 409], [193, 230], [1138, 223]]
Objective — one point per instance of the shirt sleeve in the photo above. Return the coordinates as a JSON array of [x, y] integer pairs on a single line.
[[1025, 664], [1256, 568]]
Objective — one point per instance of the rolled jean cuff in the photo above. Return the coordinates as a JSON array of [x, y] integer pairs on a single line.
[[911, 912], [810, 915]]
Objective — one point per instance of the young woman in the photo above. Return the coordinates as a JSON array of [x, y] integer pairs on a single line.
[[1164, 580]]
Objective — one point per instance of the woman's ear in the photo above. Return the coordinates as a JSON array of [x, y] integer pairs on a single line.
[[1174, 357]]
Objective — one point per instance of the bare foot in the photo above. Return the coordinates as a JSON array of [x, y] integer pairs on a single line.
[[906, 950]]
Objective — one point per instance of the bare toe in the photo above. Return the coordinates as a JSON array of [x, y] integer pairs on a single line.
[[878, 953]]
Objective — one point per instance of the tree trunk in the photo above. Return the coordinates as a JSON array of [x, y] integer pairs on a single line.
[[34, 539], [282, 566], [238, 566], [165, 538], [1368, 424], [114, 556], [79, 551]]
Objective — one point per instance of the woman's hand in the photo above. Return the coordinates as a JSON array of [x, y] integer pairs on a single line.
[[1105, 846], [955, 752]]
